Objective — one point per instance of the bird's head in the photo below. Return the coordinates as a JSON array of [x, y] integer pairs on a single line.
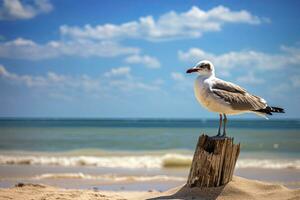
[[204, 67]]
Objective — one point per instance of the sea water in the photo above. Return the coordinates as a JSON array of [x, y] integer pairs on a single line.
[[139, 144]]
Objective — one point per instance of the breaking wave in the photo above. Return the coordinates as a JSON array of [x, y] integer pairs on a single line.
[[165, 160], [268, 163], [151, 161], [108, 177]]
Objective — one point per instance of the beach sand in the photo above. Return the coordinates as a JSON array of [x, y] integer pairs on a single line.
[[239, 188]]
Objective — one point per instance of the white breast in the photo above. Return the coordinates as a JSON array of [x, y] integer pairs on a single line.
[[208, 100], [201, 91]]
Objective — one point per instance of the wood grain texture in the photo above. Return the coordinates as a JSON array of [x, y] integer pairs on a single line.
[[214, 162]]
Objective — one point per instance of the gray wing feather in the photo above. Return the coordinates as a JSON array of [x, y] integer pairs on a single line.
[[227, 86], [237, 97]]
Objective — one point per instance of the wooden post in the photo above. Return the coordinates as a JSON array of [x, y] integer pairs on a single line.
[[214, 161]]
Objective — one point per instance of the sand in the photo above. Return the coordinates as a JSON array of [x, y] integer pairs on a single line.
[[239, 188]]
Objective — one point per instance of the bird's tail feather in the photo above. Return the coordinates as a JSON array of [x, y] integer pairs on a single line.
[[269, 110]]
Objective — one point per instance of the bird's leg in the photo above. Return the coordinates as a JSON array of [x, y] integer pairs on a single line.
[[224, 129], [220, 125]]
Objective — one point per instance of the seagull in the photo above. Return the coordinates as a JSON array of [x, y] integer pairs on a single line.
[[224, 97]]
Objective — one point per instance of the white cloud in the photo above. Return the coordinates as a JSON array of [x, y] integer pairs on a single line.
[[130, 85], [21, 48], [172, 25], [148, 61], [122, 79], [177, 76], [119, 72], [67, 87], [16, 9], [52, 80], [250, 78], [252, 59], [104, 40]]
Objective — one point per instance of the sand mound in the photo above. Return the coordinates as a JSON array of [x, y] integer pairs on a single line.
[[238, 189]]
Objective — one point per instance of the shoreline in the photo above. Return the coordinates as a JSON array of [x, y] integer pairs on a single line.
[[126, 179]]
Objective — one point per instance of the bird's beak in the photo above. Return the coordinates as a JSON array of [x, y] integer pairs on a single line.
[[191, 70]]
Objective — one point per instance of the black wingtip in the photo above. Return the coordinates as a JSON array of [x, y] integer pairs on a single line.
[[277, 110], [269, 110]]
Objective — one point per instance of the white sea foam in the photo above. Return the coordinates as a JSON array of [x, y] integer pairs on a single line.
[[112, 162], [138, 161], [268, 163], [108, 177]]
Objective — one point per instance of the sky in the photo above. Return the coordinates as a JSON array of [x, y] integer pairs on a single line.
[[127, 59]]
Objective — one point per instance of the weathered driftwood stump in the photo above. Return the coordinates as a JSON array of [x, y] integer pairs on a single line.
[[214, 161]]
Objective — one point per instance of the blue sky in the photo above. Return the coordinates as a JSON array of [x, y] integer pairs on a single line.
[[128, 58]]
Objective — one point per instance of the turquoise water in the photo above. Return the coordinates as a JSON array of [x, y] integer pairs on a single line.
[[55, 135], [113, 153]]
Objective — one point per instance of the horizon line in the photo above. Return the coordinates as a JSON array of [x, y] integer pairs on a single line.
[[141, 118]]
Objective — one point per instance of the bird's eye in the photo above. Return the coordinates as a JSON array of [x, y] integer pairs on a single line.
[[206, 66]]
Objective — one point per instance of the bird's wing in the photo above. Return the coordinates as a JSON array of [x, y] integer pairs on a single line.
[[227, 86], [237, 97]]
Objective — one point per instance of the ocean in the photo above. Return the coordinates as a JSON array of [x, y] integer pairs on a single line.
[[98, 151]]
